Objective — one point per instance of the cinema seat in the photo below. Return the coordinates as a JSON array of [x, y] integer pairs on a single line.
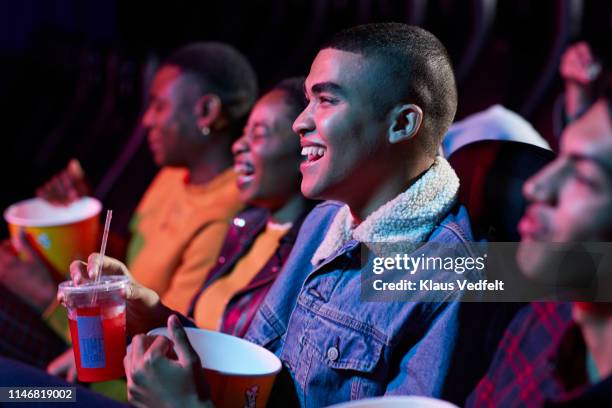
[[492, 174]]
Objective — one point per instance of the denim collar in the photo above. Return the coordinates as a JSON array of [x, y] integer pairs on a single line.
[[410, 217]]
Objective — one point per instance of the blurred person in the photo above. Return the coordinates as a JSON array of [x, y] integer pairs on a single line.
[[560, 354], [259, 240], [381, 97], [199, 99]]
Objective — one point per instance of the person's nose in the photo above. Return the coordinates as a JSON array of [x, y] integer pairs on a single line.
[[304, 123], [241, 145], [543, 187], [148, 118]]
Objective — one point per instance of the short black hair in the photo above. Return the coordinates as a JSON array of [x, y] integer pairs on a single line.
[[417, 68], [222, 70], [293, 90]]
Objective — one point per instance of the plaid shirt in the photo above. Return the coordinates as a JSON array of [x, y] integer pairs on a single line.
[[541, 361], [245, 228], [24, 336]]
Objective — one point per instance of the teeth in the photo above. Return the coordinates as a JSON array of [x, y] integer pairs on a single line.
[[243, 168], [313, 151]]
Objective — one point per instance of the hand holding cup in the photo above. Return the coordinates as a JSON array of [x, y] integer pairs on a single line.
[[156, 379], [144, 308], [28, 278]]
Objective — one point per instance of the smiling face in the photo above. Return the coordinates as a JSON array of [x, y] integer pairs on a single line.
[[266, 157], [341, 135], [170, 118], [571, 198]]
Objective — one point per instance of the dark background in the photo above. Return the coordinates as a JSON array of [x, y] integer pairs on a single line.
[[74, 72]]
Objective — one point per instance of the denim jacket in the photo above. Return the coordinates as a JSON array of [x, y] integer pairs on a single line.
[[337, 347]]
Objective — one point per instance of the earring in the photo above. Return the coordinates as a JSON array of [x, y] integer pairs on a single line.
[[205, 130]]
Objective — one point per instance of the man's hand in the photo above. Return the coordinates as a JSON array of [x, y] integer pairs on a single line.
[[156, 380], [67, 186], [144, 308], [81, 272], [28, 279], [64, 366], [578, 64], [579, 69]]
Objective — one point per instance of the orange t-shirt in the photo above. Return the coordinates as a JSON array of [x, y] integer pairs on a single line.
[[177, 233], [210, 305]]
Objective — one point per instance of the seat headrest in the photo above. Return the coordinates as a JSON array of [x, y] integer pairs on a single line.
[[492, 174]]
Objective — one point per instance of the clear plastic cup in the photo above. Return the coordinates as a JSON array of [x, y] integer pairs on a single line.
[[96, 313]]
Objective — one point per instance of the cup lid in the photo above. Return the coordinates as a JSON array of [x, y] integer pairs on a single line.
[[106, 283]]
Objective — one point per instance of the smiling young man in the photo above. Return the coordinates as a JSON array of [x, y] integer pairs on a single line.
[[381, 96], [359, 100], [560, 354]]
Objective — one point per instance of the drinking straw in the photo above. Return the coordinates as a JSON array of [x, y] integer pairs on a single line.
[[109, 216]]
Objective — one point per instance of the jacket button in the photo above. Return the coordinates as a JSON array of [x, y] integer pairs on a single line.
[[222, 260], [333, 353]]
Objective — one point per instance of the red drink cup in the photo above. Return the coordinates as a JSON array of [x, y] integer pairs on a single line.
[[96, 312]]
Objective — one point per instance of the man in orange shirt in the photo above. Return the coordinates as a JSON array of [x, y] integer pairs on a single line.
[[199, 100]]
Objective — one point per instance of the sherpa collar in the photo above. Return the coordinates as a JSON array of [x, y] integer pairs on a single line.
[[409, 217]]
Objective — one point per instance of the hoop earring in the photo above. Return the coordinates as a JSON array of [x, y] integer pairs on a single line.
[[205, 130]]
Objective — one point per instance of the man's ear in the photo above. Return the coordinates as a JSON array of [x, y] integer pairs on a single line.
[[405, 122], [207, 110]]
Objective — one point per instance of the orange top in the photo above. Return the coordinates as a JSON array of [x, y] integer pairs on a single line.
[[211, 303], [177, 233]]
